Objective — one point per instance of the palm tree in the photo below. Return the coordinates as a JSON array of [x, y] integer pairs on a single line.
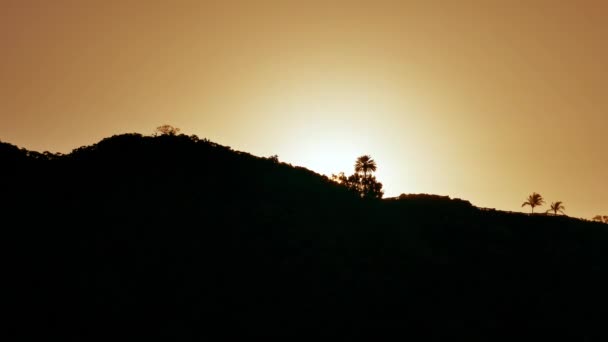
[[365, 164], [557, 207], [534, 200]]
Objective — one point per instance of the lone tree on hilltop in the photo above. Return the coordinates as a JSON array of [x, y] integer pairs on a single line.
[[557, 207], [534, 200], [166, 130]]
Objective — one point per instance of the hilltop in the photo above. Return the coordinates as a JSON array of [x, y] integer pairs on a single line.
[[181, 238]]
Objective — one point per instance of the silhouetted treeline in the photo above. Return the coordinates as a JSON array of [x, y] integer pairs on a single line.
[[178, 238]]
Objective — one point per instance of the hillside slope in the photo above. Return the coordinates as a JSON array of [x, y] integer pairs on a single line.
[[180, 238]]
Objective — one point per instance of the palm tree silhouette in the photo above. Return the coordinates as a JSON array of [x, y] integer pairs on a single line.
[[557, 207], [365, 164], [534, 200]]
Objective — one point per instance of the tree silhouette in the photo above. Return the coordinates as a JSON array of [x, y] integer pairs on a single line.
[[365, 164], [362, 182], [371, 187], [166, 130], [353, 182], [557, 207], [534, 200]]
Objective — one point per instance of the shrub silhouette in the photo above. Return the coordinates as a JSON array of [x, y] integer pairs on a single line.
[[600, 218]]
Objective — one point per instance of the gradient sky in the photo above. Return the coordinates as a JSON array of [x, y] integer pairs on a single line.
[[482, 100]]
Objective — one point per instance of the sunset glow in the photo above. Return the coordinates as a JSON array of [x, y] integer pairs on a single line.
[[484, 101]]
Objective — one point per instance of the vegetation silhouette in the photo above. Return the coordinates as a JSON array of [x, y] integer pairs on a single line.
[[534, 200], [362, 181], [557, 207], [600, 218], [365, 164], [174, 237], [167, 130]]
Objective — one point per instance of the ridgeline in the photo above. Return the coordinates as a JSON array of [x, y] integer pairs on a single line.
[[179, 238]]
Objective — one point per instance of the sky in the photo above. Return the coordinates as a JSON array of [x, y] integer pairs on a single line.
[[487, 101]]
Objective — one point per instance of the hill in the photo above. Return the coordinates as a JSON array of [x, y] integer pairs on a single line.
[[179, 238]]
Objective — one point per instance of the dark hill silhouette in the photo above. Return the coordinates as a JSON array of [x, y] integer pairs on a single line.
[[180, 238]]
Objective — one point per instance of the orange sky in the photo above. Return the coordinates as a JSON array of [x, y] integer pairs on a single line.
[[482, 100]]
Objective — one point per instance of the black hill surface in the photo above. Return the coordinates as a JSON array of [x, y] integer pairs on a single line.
[[179, 238]]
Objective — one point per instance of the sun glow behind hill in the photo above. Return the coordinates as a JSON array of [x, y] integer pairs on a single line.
[[326, 122], [477, 100]]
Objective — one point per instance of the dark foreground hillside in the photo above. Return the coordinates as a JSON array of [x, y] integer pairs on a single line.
[[181, 239]]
